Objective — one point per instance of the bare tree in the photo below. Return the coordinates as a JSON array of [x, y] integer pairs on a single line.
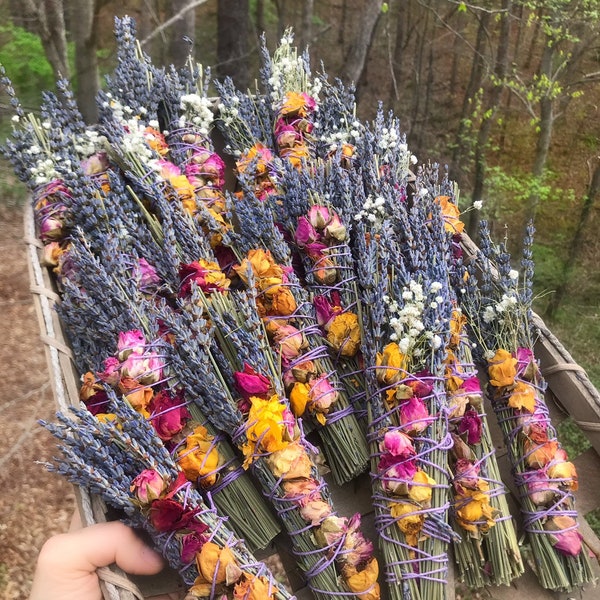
[[307, 18], [84, 28], [183, 31], [48, 21], [357, 55], [233, 22], [577, 242]]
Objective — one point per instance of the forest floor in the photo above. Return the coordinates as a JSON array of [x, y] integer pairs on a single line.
[[35, 504]]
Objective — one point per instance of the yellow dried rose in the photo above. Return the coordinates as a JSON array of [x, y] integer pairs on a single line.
[[566, 471], [409, 519], [395, 363], [522, 397], [502, 369], [474, 512], [283, 302], [344, 334], [420, 489], [262, 264]]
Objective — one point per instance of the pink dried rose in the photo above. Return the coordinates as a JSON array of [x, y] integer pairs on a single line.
[[298, 489], [566, 537], [324, 311], [111, 374], [251, 383], [129, 342], [314, 511], [397, 444], [357, 550], [146, 368], [305, 233], [322, 393], [148, 486], [466, 475], [540, 489], [290, 341], [147, 276], [96, 164], [52, 229], [414, 416], [168, 414], [470, 426]]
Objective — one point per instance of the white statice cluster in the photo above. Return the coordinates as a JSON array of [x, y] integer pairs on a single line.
[[121, 112], [408, 329], [390, 143], [288, 73], [373, 211], [197, 110], [346, 133], [90, 143], [44, 169], [501, 310]]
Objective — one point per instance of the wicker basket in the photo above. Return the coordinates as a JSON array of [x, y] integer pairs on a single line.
[[570, 392]]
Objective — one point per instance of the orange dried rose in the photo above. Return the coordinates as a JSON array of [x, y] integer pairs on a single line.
[[502, 369], [450, 214], [344, 334], [283, 302], [199, 458], [457, 324], [363, 583], [253, 587], [217, 565], [299, 397], [539, 455]]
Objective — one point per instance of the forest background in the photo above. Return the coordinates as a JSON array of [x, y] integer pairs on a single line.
[[503, 94]]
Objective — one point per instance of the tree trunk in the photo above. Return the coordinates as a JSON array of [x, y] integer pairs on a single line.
[[546, 124], [398, 56], [492, 106], [183, 32], [342, 28], [357, 55], [259, 17], [576, 244], [473, 87], [84, 31], [282, 17], [232, 41], [307, 19], [421, 37], [49, 20]]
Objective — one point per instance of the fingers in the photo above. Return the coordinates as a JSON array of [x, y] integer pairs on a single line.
[[101, 545]]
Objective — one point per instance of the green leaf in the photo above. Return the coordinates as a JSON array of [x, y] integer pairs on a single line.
[[462, 7], [385, 7]]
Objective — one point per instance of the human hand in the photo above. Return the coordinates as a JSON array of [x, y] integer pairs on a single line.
[[67, 563]]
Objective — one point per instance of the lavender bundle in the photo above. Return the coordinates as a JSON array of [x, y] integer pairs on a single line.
[[125, 463], [498, 305]]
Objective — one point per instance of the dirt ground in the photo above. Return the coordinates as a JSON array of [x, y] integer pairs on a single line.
[[34, 504]]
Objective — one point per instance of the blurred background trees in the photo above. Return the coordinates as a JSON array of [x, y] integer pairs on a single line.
[[502, 92]]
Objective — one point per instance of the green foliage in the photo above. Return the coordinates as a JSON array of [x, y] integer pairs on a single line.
[[548, 266], [572, 438], [593, 519], [23, 56]]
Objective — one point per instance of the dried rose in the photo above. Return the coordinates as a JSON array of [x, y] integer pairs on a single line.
[[397, 444], [251, 383], [168, 414], [130, 342], [502, 369], [566, 537], [470, 426], [148, 486], [414, 416]]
